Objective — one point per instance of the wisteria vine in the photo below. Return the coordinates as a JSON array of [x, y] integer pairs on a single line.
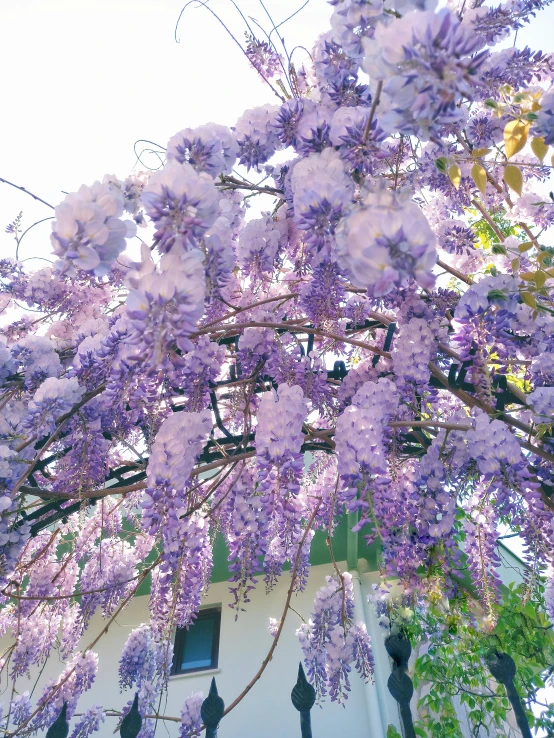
[[376, 338]]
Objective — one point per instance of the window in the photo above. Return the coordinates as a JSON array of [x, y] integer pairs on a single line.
[[197, 648]]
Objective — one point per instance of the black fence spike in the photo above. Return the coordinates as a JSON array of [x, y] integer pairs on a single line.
[[212, 710], [399, 649], [132, 722], [402, 689], [303, 699], [503, 668], [60, 726]]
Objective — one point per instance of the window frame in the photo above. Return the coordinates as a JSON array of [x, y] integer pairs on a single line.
[[181, 634]]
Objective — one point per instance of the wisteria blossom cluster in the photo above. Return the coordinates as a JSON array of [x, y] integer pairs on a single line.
[[342, 305], [332, 642]]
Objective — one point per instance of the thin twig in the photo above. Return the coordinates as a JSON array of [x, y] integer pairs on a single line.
[[269, 656], [374, 105], [26, 191], [455, 272]]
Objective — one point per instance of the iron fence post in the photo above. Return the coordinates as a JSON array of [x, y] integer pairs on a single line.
[[132, 722], [60, 726], [400, 685], [212, 711], [503, 669], [303, 698]]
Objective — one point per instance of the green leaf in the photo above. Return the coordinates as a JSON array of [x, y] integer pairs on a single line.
[[455, 175], [513, 178], [540, 149], [478, 153], [528, 299], [515, 137], [442, 164], [540, 279], [479, 176], [392, 732]]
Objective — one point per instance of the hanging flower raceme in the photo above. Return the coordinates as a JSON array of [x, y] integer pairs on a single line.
[[20, 708], [243, 517], [181, 203], [384, 242], [210, 148], [89, 722], [280, 464], [259, 243], [166, 512], [322, 191], [256, 136], [413, 349], [428, 63], [191, 720], [263, 57], [164, 303], [179, 440], [54, 398], [145, 666], [331, 641], [78, 677], [142, 659], [361, 447], [88, 232], [360, 150], [37, 359]]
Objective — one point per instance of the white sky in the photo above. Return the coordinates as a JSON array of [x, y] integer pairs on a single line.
[[87, 78], [84, 79]]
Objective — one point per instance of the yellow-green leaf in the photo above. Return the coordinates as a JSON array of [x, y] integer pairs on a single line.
[[513, 178], [479, 176], [523, 247], [455, 175], [527, 276], [515, 265], [541, 258], [540, 149], [515, 136], [476, 153], [540, 279], [528, 299]]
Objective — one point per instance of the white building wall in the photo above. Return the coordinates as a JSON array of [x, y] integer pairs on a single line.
[[267, 709]]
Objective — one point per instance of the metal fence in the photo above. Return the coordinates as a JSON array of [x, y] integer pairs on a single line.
[[399, 648]]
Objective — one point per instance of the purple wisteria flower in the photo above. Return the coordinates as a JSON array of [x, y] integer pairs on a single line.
[[545, 122], [165, 302], [427, 62], [359, 325], [88, 232], [263, 57], [384, 242], [209, 148], [181, 203], [321, 191], [331, 641], [256, 135]]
